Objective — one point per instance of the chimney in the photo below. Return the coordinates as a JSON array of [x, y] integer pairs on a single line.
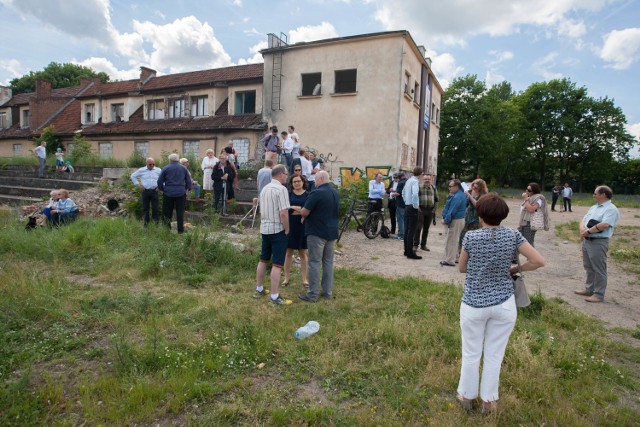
[[146, 74], [5, 94], [423, 50], [43, 89]]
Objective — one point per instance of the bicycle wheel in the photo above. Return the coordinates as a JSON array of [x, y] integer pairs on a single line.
[[373, 225], [344, 225]]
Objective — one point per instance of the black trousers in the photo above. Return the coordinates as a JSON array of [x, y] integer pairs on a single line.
[[149, 199], [171, 203], [392, 215], [422, 227], [554, 200], [410, 223], [567, 202]]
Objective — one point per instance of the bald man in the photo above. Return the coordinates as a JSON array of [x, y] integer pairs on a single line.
[[320, 217]]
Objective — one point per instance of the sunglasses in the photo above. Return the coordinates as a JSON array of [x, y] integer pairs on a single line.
[[529, 190]]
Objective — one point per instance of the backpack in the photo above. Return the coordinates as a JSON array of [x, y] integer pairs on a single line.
[[385, 233]]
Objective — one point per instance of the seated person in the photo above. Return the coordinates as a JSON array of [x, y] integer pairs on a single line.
[[65, 210], [68, 168], [53, 202]]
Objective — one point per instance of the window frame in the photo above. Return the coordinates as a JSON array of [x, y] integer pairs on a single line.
[[90, 109], [152, 111], [187, 147], [3, 120], [25, 119], [308, 84], [172, 104], [342, 86], [101, 152], [198, 110], [242, 94], [114, 112]]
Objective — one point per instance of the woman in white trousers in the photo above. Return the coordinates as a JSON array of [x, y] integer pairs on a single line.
[[488, 310]]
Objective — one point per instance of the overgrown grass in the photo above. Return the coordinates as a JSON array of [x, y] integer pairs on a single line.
[[104, 322], [579, 199], [89, 161]]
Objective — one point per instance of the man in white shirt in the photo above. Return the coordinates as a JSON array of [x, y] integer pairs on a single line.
[[274, 229], [41, 153], [307, 168], [287, 150], [146, 179]]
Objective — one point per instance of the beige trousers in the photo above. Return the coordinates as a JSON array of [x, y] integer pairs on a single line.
[[453, 235]]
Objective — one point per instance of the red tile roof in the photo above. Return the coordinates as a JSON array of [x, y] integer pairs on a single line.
[[138, 125], [23, 98], [196, 78]]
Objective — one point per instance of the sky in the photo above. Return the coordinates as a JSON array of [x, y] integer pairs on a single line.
[[594, 43]]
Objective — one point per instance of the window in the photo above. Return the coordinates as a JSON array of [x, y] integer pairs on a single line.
[[142, 147], [433, 112], [176, 108], [242, 148], [200, 106], [312, 84], [89, 113], [346, 81], [17, 150], [416, 92], [155, 109], [106, 150], [26, 119], [3, 121], [117, 112], [437, 116], [191, 147], [407, 77], [246, 102]]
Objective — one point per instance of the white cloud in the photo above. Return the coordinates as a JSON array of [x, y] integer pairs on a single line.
[[544, 65], [621, 48], [183, 45], [104, 65], [312, 32], [452, 21], [444, 67], [13, 67], [257, 56], [237, 3], [634, 129]]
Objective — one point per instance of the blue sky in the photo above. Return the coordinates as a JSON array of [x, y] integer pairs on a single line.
[[595, 43]]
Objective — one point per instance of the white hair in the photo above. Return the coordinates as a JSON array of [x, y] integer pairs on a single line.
[[173, 157]]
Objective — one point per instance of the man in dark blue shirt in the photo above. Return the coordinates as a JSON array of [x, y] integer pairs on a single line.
[[174, 182], [320, 216]]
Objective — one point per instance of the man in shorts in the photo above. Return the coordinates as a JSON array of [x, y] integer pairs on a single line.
[[274, 229]]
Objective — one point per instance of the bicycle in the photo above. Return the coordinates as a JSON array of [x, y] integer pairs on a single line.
[[352, 213], [374, 223]]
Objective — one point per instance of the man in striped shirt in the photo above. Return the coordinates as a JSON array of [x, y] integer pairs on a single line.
[[274, 228]]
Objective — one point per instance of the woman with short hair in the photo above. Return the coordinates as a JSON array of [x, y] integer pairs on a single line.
[[488, 309], [296, 240], [532, 201]]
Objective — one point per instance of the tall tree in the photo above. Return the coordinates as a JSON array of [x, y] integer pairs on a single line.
[[550, 111], [461, 112], [60, 75]]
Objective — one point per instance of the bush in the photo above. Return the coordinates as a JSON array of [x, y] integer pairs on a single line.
[[82, 151], [136, 160]]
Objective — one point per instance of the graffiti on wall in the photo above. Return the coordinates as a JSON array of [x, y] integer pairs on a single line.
[[349, 175]]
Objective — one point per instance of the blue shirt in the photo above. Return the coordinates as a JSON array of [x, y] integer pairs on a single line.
[[455, 208], [147, 177], [488, 281], [174, 180], [607, 213], [411, 192], [322, 222], [376, 190], [67, 206]]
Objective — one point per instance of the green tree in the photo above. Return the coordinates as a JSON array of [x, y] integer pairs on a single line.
[[60, 75], [52, 140], [82, 150]]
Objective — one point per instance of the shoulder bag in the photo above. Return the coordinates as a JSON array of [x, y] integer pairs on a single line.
[[537, 220], [519, 288]]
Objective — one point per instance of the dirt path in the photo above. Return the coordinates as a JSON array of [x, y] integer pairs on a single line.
[[562, 274]]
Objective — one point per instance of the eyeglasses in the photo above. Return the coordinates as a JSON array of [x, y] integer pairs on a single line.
[[451, 186], [297, 181]]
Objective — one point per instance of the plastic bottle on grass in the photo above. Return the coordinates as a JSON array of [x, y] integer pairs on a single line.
[[309, 329]]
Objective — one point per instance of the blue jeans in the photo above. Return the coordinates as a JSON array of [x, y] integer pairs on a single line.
[[400, 218], [320, 252]]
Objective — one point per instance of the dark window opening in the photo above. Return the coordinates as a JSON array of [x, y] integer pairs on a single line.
[[245, 102], [346, 81], [311, 84]]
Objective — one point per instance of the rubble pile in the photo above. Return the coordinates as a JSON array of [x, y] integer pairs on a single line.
[[93, 201]]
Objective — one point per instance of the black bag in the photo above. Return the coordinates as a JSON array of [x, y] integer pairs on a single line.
[[31, 224], [592, 223], [385, 233]]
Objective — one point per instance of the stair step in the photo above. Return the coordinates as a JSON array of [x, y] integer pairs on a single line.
[[18, 200]]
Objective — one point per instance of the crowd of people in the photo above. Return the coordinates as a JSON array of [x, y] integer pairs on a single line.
[[299, 212]]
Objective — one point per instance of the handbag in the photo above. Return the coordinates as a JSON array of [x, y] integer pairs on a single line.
[[519, 288], [537, 220]]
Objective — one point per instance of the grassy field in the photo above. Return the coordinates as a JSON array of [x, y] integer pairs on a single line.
[[106, 323]]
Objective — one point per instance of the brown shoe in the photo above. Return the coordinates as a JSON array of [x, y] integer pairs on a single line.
[[594, 298], [583, 293]]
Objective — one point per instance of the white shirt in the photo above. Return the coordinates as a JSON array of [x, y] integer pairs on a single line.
[[209, 163], [288, 145], [307, 168], [41, 152], [274, 197]]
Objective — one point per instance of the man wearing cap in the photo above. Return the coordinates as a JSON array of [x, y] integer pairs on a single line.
[[146, 179]]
